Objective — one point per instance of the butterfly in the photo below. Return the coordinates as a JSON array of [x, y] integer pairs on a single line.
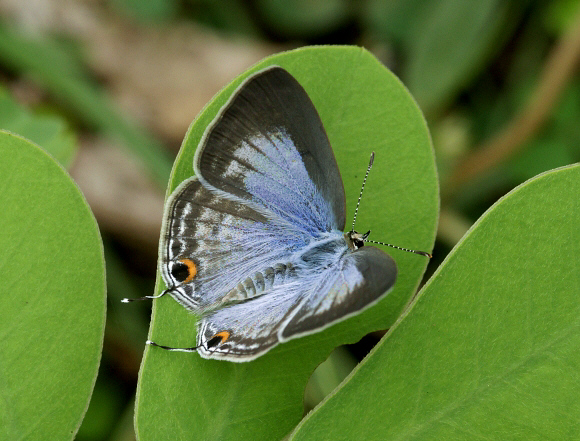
[[253, 243]]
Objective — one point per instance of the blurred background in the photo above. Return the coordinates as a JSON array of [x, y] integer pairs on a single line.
[[109, 88]]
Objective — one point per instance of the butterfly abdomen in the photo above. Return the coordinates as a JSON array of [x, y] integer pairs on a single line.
[[261, 282]]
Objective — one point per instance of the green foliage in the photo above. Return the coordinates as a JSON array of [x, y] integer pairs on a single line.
[[560, 14], [151, 11], [445, 42], [364, 108], [489, 349], [299, 18], [558, 145], [52, 307], [48, 131], [452, 40], [65, 77]]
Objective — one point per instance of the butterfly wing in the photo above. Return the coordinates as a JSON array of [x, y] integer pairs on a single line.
[[266, 185], [212, 244], [306, 304], [248, 329], [268, 146], [359, 280]]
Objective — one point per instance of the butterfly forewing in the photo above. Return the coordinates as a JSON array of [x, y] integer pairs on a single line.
[[268, 146]]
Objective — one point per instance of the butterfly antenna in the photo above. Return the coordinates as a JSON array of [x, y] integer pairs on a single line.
[[422, 253], [362, 189], [167, 348], [126, 300]]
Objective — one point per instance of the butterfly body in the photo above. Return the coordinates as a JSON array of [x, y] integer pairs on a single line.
[[254, 242]]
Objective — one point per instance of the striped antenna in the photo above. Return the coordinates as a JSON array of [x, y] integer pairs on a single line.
[[362, 189], [422, 253], [364, 238]]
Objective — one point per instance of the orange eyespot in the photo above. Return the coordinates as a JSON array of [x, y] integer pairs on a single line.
[[218, 339], [224, 335], [185, 271]]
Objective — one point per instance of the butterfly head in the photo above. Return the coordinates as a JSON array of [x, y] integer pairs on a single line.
[[357, 240]]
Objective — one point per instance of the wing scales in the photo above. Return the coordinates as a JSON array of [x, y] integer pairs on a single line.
[[227, 241]]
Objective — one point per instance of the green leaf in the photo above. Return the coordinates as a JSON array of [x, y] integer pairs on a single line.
[[542, 154], [148, 12], [52, 304], [398, 20], [303, 19], [48, 131], [452, 40], [364, 107], [489, 349]]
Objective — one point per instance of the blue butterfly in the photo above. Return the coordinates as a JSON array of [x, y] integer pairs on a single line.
[[254, 242]]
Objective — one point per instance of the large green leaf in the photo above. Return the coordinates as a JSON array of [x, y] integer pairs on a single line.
[[490, 350], [364, 108], [52, 296]]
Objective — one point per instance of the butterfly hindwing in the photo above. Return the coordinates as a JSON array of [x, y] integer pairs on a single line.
[[308, 302], [251, 327], [358, 280]]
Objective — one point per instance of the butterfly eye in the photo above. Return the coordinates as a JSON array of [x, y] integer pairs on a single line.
[[357, 239], [358, 243], [218, 339], [184, 270]]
